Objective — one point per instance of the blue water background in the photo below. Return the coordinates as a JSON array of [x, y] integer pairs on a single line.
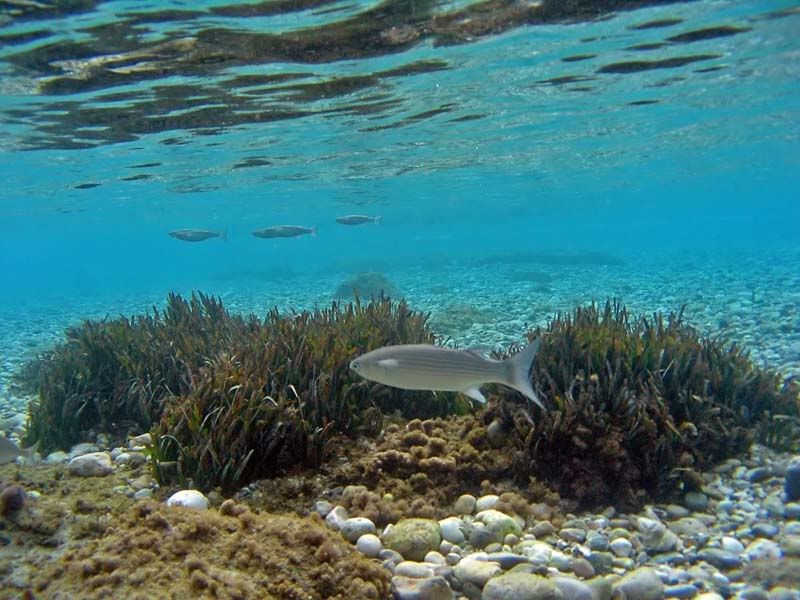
[[708, 175]]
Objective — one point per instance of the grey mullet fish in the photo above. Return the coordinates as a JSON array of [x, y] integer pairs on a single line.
[[426, 367], [9, 451], [357, 220], [197, 235], [284, 231]]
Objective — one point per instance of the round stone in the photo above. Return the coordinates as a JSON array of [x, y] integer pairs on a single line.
[[641, 584], [487, 502], [410, 588], [189, 499], [521, 586], [452, 530], [414, 538], [94, 464], [465, 505], [621, 547], [696, 501], [434, 558], [476, 572], [354, 527], [369, 545], [323, 507], [410, 568], [582, 568]]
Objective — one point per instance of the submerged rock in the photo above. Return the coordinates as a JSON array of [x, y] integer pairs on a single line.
[[189, 499], [414, 538], [523, 586], [641, 584], [94, 464]]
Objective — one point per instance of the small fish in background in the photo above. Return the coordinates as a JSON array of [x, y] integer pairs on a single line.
[[285, 231], [427, 367], [198, 235], [9, 451], [357, 220]]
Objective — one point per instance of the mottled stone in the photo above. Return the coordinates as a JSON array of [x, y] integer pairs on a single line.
[[410, 568], [354, 527], [409, 588], [681, 590], [720, 558], [336, 517], [602, 562], [641, 584], [764, 530], [521, 586], [574, 589], [452, 529], [582, 568], [477, 572], [695, 501], [621, 547], [94, 464], [543, 529], [487, 502], [465, 505], [413, 538], [500, 522]]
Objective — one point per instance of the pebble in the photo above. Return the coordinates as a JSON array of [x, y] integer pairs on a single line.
[[582, 568], [507, 560], [791, 484], [369, 545], [521, 586], [94, 464], [140, 441], [336, 518], [465, 505], [434, 558], [487, 502], [572, 534], [323, 507], [696, 501], [764, 530], [477, 572], [574, 589], [543, 529], [56, 457], [722, 559], [685, 590], [418, 570], [410, 588], [413, 538], [641, 584], [452, 530], [189, 499], [354, 527], [84, 448], [143, 493], [731, 544], [621, 547]]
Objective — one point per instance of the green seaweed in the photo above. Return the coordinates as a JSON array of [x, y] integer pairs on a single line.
[[637, 403]]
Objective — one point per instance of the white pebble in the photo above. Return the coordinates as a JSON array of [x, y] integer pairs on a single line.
[[621, 547], [369, 545], [487, 502], [336, 518], [410, 568], [323, 507], [189, 499], [731, 544], [452, 530], [140, 441]]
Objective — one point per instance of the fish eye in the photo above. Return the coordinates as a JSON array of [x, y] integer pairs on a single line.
[[354, 365]]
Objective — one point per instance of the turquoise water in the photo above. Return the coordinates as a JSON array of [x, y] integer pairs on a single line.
[[655, 148]]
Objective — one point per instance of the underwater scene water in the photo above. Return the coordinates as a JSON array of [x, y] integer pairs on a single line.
[[586, 211]]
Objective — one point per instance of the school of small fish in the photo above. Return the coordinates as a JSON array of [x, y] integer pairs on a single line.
[[277, 231]]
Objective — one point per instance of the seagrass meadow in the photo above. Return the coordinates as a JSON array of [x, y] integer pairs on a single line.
[[636, 405]]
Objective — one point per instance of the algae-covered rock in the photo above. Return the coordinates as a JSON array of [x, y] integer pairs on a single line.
[[366, 285], [641, 584], [414, 538]]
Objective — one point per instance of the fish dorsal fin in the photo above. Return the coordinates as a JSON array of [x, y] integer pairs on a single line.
[[389, 363], [475, 394]]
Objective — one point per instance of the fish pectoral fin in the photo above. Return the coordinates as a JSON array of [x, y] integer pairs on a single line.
[[475, 394], [389, 363]]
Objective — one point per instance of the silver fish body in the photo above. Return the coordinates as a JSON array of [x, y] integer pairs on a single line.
[[9, 451], [357, 220], [427, 367], [284, 231], [197, 235]]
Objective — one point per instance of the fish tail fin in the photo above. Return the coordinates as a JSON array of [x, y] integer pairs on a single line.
[[378, 220], [520, 368], [314, 231], [224, 234]]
